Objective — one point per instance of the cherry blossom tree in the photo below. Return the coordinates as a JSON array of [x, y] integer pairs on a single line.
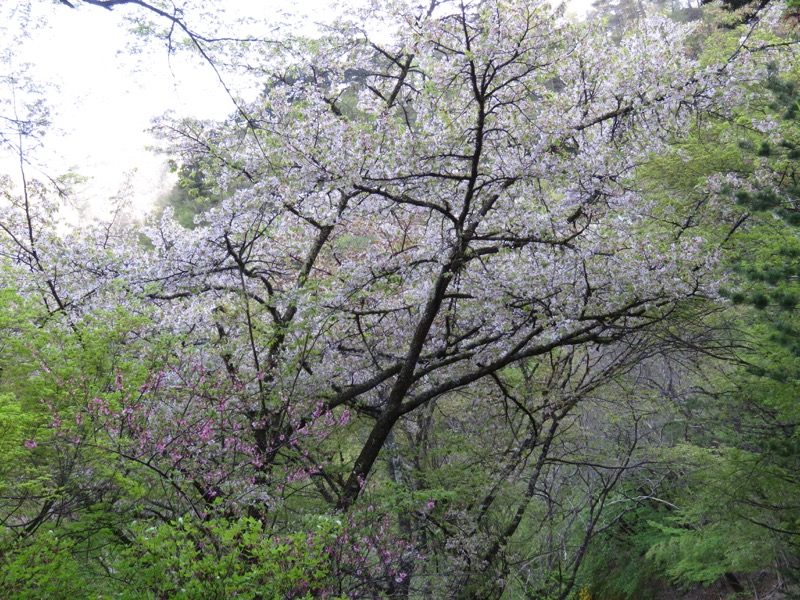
[[473, 207]]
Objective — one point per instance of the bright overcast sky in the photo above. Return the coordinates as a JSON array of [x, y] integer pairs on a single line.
[[106, 96]]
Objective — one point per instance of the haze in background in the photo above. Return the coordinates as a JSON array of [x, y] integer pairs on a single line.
[[107, 87]]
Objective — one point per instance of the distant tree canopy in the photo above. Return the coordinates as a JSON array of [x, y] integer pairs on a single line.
[[189, 197]]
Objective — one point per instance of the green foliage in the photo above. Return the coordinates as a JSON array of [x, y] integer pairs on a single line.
[[615, 568], [227, 559], [765, 274], [711, 532], [44, 566], [187, 559], [768, 259], [688, 554]]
